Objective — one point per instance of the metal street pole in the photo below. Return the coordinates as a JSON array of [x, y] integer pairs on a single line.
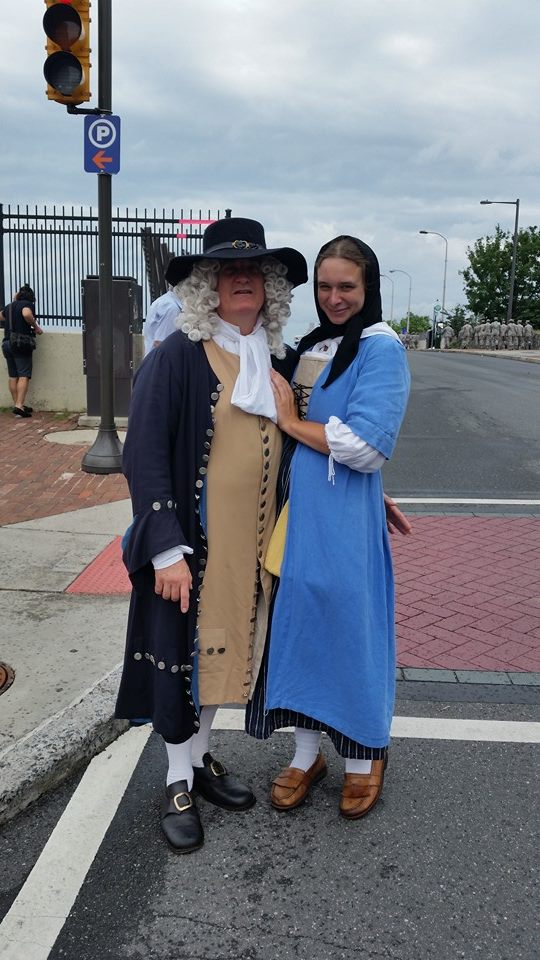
[[441, 235], [510, 307], [410, 289], [385, 277], [105, 454]]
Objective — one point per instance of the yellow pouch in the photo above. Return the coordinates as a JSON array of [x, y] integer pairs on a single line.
[[276, 546]]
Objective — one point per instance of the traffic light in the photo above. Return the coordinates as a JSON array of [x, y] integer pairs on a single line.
[[67, 67]]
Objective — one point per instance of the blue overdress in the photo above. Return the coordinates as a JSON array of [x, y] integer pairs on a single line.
[[332, 645]]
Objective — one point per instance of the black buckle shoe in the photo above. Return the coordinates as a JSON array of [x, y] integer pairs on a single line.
[[217, 786], [180, 820]]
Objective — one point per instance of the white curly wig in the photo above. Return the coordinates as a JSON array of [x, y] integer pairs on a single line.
[[199, 297]]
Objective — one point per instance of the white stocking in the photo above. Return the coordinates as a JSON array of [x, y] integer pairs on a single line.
[[357, 766], [307, 748], [180, 765], [199, 741]]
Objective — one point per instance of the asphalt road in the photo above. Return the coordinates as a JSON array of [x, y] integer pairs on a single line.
[[443, 869], [472, 429]]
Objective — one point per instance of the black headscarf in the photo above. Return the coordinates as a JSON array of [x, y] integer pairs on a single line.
[[351, 331]]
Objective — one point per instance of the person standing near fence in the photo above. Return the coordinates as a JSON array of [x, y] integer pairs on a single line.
[[20, 329], [161, 320]]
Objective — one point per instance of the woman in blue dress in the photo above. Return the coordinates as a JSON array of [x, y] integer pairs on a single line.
[[331, 657]]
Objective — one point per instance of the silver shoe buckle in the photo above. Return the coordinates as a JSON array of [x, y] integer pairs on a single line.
[[183, 806], [217, 768]]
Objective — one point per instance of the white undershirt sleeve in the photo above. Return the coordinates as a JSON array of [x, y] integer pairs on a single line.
[[349, 449], [168, 557]]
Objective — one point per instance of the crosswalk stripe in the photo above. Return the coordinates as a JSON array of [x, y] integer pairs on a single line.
[[37, 915]]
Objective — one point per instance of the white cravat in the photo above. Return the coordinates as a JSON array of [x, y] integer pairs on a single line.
[[253, 390]]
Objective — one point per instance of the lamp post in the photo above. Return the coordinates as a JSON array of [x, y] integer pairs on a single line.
[[410, 288], [435, 234], [385, 277], [514, 203]]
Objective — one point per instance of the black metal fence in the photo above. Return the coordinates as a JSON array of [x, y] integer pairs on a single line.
[[54, 248]]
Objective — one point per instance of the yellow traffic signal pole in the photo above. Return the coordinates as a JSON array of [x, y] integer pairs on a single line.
[[67, 71]]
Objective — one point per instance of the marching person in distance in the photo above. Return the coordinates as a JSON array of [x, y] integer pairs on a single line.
[[331, 652], [161, 319], [20, 325]]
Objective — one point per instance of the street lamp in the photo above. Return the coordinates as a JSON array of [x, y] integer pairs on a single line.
[[410, 288], [514, 203], [435, 234], [384, 277]]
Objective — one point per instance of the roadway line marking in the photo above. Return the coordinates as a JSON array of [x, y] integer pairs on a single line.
[[477, 500], [428, 728], [32, 925]]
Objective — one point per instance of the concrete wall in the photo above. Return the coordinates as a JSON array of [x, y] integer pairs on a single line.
[[58, 381]]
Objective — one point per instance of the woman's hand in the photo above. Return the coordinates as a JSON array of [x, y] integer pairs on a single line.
[[174, 583], [396, 521], [287, 413]]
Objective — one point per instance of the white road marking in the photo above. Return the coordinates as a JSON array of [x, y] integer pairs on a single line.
[[494, 731], [476, 500], [429, 728], [30, 928], [32, 925]]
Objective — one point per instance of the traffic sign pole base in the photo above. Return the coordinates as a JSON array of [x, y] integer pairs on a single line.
[[105, 454]]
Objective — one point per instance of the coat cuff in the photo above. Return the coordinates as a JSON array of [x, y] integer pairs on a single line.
[[151, 533]]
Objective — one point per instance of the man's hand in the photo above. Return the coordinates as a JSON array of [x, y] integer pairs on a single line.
[[174, 583], [396, 521]]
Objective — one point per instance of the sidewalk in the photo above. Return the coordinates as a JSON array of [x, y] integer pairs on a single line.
[[468, 603], [529, 356]]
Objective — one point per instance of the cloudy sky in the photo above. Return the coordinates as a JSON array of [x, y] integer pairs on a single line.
[[377, 118]]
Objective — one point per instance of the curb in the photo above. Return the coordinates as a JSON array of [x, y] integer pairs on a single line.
[[504, 354], [53, 751], [495, 677]]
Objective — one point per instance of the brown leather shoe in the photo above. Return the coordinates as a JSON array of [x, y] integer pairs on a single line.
[[292, 785], [361, 791]]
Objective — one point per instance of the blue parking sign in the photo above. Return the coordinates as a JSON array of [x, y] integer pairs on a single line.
[[101, 144]]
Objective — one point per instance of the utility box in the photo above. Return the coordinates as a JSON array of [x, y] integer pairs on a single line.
[[126, 320]]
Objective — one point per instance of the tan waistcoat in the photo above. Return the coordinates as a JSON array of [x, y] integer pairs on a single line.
[[240, 515]]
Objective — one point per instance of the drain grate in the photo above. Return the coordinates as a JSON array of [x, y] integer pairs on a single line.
[[7, 676]]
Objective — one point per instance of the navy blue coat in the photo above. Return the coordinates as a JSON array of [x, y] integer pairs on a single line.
[[165, 455]]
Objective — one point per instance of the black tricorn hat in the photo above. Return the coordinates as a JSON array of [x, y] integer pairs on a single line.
[[235, 238]]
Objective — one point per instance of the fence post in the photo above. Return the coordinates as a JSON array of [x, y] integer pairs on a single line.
[[2, 279]]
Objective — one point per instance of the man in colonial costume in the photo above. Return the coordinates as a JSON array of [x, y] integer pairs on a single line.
[[201, 458]]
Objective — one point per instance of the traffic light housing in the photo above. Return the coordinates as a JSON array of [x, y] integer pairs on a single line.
[[67, 67]]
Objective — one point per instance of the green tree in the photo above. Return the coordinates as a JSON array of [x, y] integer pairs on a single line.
[[487, 278], [417, 324]]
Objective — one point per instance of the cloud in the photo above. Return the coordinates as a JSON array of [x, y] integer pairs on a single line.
[[377, 119]]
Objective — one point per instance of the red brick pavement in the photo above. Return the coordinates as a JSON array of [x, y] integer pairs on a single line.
[[39, 478], [467, 588], [468, 593], [106, 574]]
